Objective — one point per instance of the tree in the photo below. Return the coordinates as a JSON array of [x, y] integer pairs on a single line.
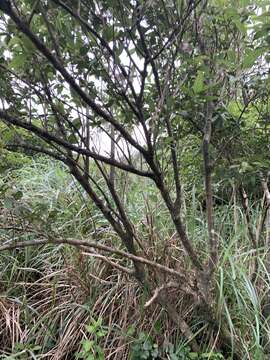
[[117, 69]]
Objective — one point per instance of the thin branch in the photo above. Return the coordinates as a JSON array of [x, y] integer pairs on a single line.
[[178, 31], [267, 199], [37, 149], [52, 138], [149, 57], [244, 199], [157, 291], [69, 78], [103, 43], [77, 243], [110, 262], [50, 31]]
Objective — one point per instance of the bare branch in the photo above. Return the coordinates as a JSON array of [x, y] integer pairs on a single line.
[[110, 262], [157, 291], [244, 199], [77, 243], [52, 138]]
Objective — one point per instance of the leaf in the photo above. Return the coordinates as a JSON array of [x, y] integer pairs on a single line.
[[87, 345], [108, 33], [18, 61], [90, 357], [231, 13], [77, 123], [90, 328], [101, 333], [36, 348], [72, 139], [99, 351], [240, 26], [14, 42], [84, 50], [27, 44], [145, 355], [157, 326], [264, 31], [8, 202], [80, 355], [170, 101], [99, 322], [131, 330], [147, 345], [198, 85], [251, 57], [193, 355], [18, 195]]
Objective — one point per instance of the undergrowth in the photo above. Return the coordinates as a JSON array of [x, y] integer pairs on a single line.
[[57, 303]]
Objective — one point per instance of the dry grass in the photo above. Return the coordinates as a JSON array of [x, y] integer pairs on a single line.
[[49, 294], [60, 303]]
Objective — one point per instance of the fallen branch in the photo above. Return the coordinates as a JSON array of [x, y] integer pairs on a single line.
[[110, 262], [79, 243]]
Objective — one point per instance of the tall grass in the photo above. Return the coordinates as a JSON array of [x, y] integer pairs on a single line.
[[50, 294]]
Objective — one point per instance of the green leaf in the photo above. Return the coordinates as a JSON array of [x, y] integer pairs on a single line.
[[18, 61], [72, 139], [264, 31], [91, 357], [80, 355], [90, 328], [77, 123], [240, 26], [87, 345], [157, 326], [27, 44], [251, 57], [18, 195], [101, 333], [198, 85], [84, 50], [14, 42], [108, 33], [193, 355], [147, 345], [8, 202], [99, 350], [99, 322], [131, 330], [36, 348]]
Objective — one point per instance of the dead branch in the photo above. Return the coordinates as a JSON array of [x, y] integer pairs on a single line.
[[78, 243]]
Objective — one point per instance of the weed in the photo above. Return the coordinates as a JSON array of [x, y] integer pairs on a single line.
[[91, 350]]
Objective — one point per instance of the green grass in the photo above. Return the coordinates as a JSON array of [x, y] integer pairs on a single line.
[[50, 294]]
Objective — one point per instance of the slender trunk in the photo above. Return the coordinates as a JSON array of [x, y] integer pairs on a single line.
[[112, 168], [87, 142], [213, 241], [267, 220]]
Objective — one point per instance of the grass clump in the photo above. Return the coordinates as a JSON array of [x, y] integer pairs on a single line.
[[58, 303]]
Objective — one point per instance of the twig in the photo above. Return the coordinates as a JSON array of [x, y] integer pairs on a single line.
[[157, 292], [110, 262]]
